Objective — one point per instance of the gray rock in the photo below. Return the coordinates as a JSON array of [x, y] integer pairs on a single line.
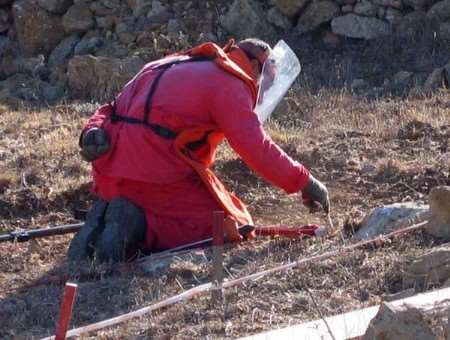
[[99, 10], [278, 19], [440, 11], [415, 24], [140, 7], [439, 224], [78, 19], [111, 4], [290, 7], [389, 3], [436, 80], [173, 27], [315, 14], [6, 46], [33, 66], [107, 23], [88, 45], [126, 38], [4, 24], [359, 85], [37, 30], [347, 9], [52, 94], [55, 6], [63, 51], [365, 8], [432, 268], [158, 14], [418, 4], [385, 219], [100, 77], [375, 92], [401, 82], [250, 12], [444, 33], [355, 26], [157, 267], [399, 323], [393, 16]]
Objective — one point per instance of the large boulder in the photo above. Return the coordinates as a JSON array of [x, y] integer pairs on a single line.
[[439, 224], [436, 80], [416, 24], [159, 13], [37, 30], [317, 13], [355, 26], [246, 18], [440, 11], [63, 51], [418, 4], [140, 7], [100, 77], [430, 269], [278, 19], [33, 66], [387, 218], [365, 8], [4, 21], [290, 7], [444, 33], [393, 16], [78, 19], [30, 89], [399, 323], [55, 6]]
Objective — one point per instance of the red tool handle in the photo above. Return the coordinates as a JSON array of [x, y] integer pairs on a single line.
[[290, 232]]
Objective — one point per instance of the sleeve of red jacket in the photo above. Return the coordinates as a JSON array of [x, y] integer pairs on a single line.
[[97, 119], [231, 109], [99, 116]]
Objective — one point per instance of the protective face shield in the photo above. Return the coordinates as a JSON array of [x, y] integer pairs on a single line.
[[278, 73]]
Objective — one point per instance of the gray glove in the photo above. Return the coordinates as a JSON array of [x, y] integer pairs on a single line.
[[94, 143], [315, 195]]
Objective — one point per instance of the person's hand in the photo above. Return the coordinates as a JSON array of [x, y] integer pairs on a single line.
[[315, 196], [94, 143]]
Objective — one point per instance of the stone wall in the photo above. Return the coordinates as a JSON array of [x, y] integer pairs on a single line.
[[50, 48]]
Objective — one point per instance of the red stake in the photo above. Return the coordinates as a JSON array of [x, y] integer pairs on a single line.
[[65, 311]]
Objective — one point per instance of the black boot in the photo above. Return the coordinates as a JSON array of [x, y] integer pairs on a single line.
[[82, 245], [125, 225]]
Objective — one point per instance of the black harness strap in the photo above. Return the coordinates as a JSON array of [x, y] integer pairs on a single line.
[[156, 128]]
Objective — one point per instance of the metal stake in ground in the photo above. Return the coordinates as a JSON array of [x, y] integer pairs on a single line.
[[65, 311], [217, 270]]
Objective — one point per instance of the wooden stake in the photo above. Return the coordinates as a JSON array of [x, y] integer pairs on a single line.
[[65, 311], [217, 270]]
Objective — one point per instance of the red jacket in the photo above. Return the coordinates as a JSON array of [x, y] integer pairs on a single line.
[[145, 167]]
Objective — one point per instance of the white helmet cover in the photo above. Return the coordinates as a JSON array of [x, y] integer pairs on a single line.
[[278, 73]]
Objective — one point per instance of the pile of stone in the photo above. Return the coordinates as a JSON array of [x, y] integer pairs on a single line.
[[90, 48]]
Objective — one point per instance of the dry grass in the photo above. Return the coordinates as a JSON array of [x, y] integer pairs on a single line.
[[352, 144]]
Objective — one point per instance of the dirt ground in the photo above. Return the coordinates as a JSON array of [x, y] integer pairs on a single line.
[[368, 152]]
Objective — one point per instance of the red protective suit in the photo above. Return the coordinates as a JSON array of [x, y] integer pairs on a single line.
[[148, 170]]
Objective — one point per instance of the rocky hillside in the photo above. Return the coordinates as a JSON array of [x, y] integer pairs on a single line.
[[50, 49]]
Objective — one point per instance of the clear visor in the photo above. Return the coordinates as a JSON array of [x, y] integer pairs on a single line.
[[278, 73]]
